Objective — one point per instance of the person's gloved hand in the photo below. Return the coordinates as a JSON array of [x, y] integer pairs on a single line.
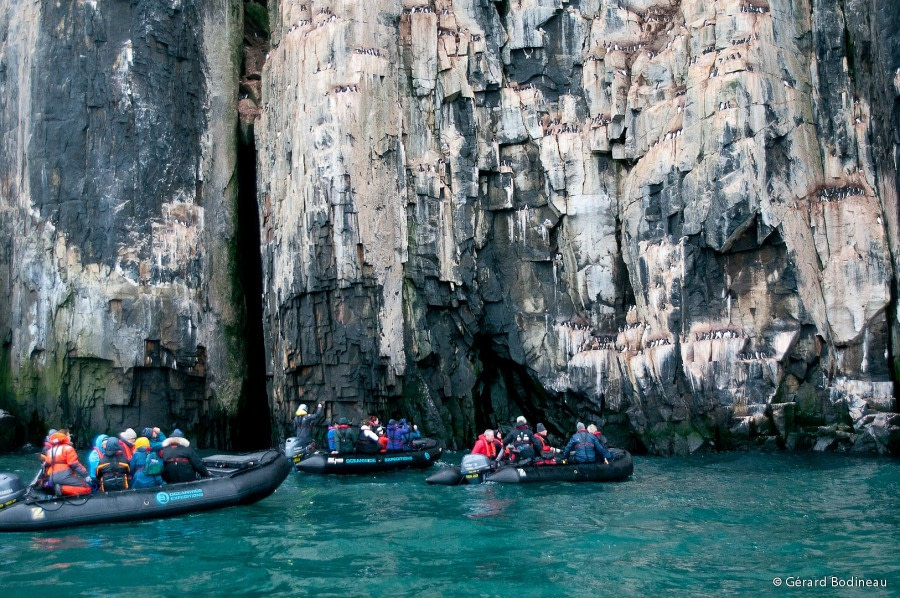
[[88, 480]]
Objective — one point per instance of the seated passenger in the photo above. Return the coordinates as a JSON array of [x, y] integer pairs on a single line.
[[332, 429], [525, 447], [396, 434], [113, 469], [156, 438], [547, 451], [96, 454], [126, 441], [413, 434], [64, 472], [586, 447], [487, 445], [181, 462], [146, 465], [368, 441], [344, 437], [596, 432], [382, 439]]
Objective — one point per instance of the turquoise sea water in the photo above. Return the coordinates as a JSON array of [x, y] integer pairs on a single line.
[[705, 525]]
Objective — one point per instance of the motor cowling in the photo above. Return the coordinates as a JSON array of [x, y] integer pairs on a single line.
[[474, 463], [11, 489]]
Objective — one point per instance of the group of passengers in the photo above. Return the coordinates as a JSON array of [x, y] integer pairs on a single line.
[[342, 437], [522, 445], [119, 462]]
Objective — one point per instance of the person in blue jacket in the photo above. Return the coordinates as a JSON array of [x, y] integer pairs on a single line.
[[95, 455], [586, 447], [155, 437], [396, 434], [140, 477]]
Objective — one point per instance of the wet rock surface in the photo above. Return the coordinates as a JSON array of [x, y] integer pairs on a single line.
[[677, 219]]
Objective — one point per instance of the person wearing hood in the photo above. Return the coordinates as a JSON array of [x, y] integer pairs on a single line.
[[303, 424], [96, 454], [586, 447], [368, 441], [113, 469], [397, 433], [487, 445], [126, 441], [138, 464], [344, 437], [64, 472], [181, 462], [155, 437], [521, 439]]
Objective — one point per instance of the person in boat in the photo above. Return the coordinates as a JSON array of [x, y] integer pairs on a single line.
[[47, 444], [413, 434], [344, 437], [113, 470], [332, 430], [522, 442], [141, 477], [62, 469], [303, 425], [126, 441], [180, 461], [599, 434], [96, 454], [586, 447], [540, 433], [396, 434], [368, 441], [487, 445], [382, 439], [155, 437]]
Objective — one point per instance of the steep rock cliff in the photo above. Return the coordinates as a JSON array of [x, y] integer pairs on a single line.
[[118, 214], [675, 216]]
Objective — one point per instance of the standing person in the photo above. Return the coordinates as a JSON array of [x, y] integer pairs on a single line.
[[524, 445], [303, 426], [64, 472], [586, 447], [344, 437], [487, 445], [181, 462], [126, 441], [113, 469]]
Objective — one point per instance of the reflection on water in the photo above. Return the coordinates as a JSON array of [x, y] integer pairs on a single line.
[[704, 525]]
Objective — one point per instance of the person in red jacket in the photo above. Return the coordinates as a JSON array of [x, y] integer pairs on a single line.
[[487, 445], [126, 440], [382, 439], [64, 471], [541, 436]]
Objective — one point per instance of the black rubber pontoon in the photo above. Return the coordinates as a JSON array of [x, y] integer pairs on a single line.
[[427, 452], [476, 471], [234, 480]]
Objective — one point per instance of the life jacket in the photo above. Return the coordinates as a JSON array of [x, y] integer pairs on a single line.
[[489, 446], [113, 469], [522, 443], [367, 445], [343, 439]]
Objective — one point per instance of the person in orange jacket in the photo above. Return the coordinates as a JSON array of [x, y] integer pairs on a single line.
[[487, 445], [64, 472]]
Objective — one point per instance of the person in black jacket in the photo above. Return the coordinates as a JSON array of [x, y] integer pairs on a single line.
[[303, 424], [522, 441], [180, 462]]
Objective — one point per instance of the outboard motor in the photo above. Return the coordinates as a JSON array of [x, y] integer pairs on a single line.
[[11, 489], [474, 464], [294, 450]]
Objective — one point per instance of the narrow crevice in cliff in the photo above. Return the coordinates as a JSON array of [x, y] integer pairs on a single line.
[[251, 427]]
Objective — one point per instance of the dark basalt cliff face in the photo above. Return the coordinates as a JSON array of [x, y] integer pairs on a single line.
[[675, 218]]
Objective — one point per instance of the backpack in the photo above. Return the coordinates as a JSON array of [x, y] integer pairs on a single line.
[[154, 464]]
